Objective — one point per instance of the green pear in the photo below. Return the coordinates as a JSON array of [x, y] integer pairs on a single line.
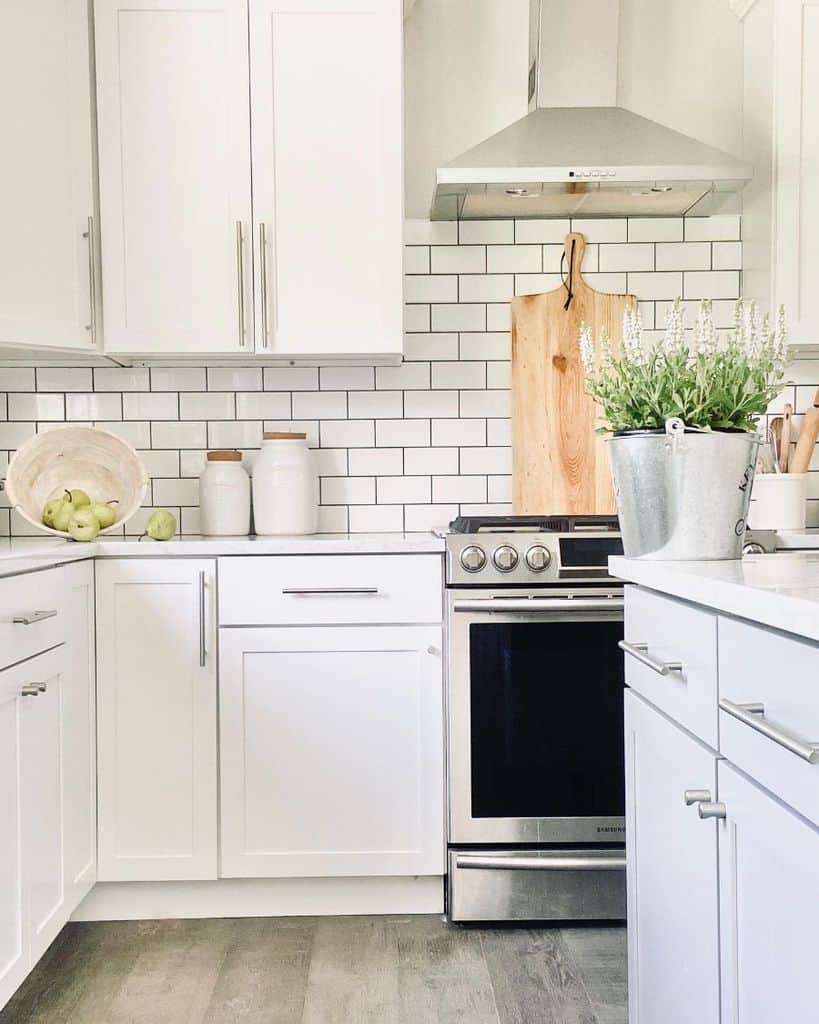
[[161, 525], [50, 510], [78, 497], [63, 517], [104, 513], [83, 524]]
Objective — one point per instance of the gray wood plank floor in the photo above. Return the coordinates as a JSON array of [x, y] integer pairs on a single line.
[[325, 970]]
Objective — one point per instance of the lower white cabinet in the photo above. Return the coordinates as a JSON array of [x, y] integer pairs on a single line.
[[331, 751], [156, 711], [769, 907], [671, 873]]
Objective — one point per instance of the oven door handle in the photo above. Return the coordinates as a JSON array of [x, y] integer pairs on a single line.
[[539, 604], [543, 861]]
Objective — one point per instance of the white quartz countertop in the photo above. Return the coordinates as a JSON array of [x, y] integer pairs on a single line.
[[779, 590], [24, 554]]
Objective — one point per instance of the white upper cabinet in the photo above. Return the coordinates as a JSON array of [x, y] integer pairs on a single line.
[[326, 108], [46, 176], [796, 174], [174, 153]]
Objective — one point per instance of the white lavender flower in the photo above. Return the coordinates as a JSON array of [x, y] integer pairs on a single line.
[[633, 337], [674, 338], [705, 334], [587, 348]]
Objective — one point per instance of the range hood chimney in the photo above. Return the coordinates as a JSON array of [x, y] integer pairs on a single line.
[[591, 161]]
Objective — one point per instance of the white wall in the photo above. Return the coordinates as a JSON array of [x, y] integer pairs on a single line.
[[680, 62], [466, 78]]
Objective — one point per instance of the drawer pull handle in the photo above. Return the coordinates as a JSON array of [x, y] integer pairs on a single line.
[[329, 591], [29, 618], [708, 809], [753, 715], [640, 653], [549, 862], [202, 634], [697, 796], [31, 690]]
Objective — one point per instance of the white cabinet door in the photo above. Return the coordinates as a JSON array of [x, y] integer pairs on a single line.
[[79, 741], [46, 174], [42, 730], [796, 115], [769, 907], [174, 166], [331, 751], [13, 936], [671, 873], [156, 719], [326, 102]]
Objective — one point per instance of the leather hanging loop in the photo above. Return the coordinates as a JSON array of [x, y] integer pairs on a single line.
[[568, 285]]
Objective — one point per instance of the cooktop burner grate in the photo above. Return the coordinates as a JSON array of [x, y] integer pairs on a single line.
[[534, 524]]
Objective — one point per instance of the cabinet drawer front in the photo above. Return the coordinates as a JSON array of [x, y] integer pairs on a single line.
[[671, 633], [31, 615], [758, 666], [327, 589]]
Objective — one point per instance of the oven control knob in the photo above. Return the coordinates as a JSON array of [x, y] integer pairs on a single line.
[[473, 558], [538, 558], [505, 558]]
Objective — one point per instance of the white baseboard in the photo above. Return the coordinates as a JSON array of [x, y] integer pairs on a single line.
[[261, 897]]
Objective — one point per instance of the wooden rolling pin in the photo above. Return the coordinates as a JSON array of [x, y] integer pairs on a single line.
[[807, 439]]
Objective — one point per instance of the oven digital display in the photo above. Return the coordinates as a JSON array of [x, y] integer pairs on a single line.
[[588, 552]]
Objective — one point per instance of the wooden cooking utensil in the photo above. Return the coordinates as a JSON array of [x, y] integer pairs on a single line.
[[785, 440], [560, 465], [807, 439], [775, 437]]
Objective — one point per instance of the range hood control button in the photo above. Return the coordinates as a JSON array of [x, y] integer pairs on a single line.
[[538, 558], [505, 558], [473, 558]]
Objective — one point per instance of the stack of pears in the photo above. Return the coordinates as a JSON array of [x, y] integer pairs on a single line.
[[76, 514]]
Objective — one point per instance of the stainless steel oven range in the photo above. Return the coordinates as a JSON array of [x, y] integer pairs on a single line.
[[534, 720]]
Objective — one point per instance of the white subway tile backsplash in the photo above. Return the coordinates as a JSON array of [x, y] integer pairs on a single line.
[[401, 447]]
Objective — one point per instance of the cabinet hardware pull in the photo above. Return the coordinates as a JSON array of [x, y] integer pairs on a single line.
[[202, 651], [328, 591], [31, 690], [539, 604], [551, 862], [753, 714], [640, 653], [30, 618], [263, 281], [92, 278], [697, 796], [708, 809], [240, 280]]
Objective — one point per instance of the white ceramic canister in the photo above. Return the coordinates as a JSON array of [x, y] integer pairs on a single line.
[[224, 496], [285, 485]]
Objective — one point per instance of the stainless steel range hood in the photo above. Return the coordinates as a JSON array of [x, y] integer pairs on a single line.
[[586, 162]]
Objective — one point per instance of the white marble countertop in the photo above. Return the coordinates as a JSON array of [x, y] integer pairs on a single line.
[[779, 590], [26, 553]]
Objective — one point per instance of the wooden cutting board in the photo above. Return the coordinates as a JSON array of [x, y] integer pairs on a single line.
[[559, 463]]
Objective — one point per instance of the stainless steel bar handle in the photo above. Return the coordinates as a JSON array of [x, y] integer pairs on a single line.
[[640, 653], [707, 809], [539, 604], [29, 618], [202, 651], [752, 715], [92, 278], [31, 690], [240, 279], [567, 862], [263, 282], [328, 591], [697, 796]]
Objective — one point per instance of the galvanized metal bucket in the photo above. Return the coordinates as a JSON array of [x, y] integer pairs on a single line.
[[683, 494]]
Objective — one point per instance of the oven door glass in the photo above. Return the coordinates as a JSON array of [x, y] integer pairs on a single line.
[[545, 718]]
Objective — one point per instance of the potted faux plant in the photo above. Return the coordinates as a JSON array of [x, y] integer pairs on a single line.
[[681, 413]]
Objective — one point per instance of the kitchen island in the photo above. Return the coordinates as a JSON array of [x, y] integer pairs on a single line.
[[722, 788]]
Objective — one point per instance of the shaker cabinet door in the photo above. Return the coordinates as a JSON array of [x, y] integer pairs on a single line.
[[671, 857], [326, 103], [13, 937], [174, 155], [156, 712], [46, 175], [769, 906]]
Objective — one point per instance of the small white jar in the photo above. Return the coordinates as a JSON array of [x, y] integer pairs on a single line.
[[285, 485], [224, 496]]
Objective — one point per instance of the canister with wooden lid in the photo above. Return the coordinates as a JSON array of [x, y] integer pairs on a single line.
[[224, 496], [285, 485]]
